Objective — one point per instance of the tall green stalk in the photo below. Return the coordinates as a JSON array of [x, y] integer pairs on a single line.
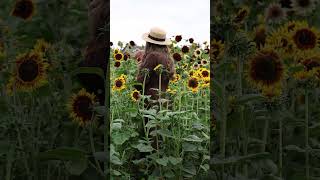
[[307, 134]]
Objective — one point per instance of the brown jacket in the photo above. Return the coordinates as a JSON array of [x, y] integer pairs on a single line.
[[152, 80]]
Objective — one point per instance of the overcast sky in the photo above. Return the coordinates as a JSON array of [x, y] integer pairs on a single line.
[[131, 18]]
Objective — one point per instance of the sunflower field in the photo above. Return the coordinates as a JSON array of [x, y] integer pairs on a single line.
[[178, 121], [46, 122], [266, 63]]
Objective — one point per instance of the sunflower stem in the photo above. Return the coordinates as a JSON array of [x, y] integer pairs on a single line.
[[100, 171], [143, 98], [280, 148], [307, 133], [24, 159]]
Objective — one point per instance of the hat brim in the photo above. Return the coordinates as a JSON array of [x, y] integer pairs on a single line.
[[146, 38]]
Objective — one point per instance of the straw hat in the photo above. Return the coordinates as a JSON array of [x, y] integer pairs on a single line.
[[156, 36]]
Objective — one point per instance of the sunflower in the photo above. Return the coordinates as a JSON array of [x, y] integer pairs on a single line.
[[311, 65], [135, 95], [242, 13], [178, 38], [205, 82], [260, 35], [197, 53], [216, 49], [193, 84], [23, 9], [117, 63], [303, 7], [171, 91], [204, 73], [30, 72], [116, 51], [177, 57], [196, 66], [118, 56], [280, 40], [132, 43], [304, 37], [204, 62], [274, 13], [124, 77], [41, 45], [80, 105], [185, 49], [191, 40], [176, 78], [119, 84], [265, 69]]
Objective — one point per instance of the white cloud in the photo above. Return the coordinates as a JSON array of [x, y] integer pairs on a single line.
[[131, 18]]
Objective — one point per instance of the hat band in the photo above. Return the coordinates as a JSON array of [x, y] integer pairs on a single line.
[[156, 39]]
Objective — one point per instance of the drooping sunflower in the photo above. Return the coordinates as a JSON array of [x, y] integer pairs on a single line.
[[118, 57], [305, 37], [80, 107], [23, 9], [135, 95], [193, 84], [119, 84], [265, 69], [303, 7], [30, 72]]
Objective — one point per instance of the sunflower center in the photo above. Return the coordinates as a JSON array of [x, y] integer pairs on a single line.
[[23, 8], [135, 95], [118, 56], [305, 39], [276, 12], [28, 70], [205, 73], [266, 68], [304, 3], [119, 83], [82, 107], [193, 83]]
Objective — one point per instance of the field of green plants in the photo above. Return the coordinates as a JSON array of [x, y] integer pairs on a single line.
[[266, 62], [178, 122], [46, 123]]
